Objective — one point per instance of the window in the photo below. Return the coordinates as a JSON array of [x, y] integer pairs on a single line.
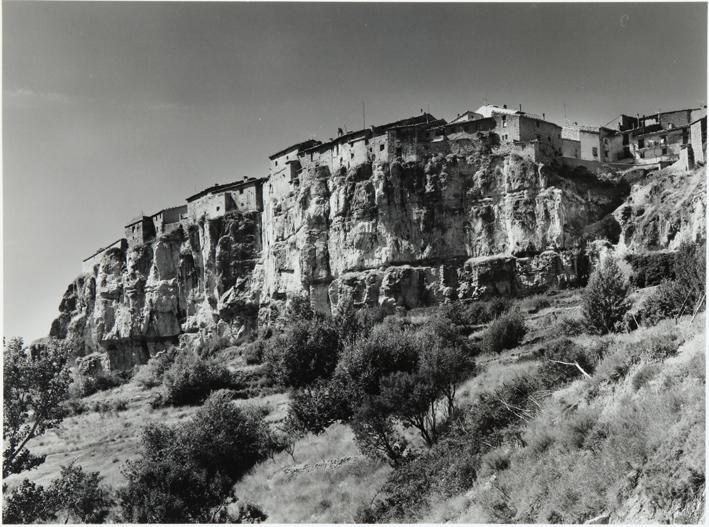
[[664, 150], [217, 209], [594, 151], [504, 121], [276, 162], [381, 148], [663, 139], [398, 152], [641, 143], [351, 155], [241, 191], [538, 124]]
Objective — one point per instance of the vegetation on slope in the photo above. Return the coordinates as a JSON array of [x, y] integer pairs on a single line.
[[445, 414]]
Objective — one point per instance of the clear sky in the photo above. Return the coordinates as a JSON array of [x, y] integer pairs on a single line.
[[113, 109]]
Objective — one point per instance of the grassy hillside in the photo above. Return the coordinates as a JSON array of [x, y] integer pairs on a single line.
[[624, 443]]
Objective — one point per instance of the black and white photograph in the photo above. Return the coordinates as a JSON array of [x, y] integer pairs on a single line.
[[354, 262]]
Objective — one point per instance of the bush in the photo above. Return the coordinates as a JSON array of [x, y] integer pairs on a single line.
[[190, 379], [151, 374], [28, 503], [78, 496], [465, 316], [561, 357], [652, 268], [683, 294], [644, 375], [305, 352], [254, 352], [504, 333], [185, 472], [605, 299]]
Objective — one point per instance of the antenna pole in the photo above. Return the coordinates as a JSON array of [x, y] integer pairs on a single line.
[[363, 120]]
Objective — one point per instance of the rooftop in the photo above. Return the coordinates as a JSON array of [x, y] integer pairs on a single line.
[[223, 188], [298, 146]]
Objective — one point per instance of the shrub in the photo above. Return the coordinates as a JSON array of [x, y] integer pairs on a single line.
[[119, 405], [186, 471], [683, 294], [80, 495], [83, 386], [561, 359], [254, 352], [644, 375], [190, 379], [304, 353], [77, 495], [505, 332], [28, 503], [151, 374], [605, 299], [652, 268]]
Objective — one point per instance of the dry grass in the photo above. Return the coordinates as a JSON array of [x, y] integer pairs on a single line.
[[99, 441], [328, 481]]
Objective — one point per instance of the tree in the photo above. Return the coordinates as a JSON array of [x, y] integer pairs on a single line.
[[185, 472], [75, 493], [305, 352], [80, 495], [36, 381], [28, 503], [605, 299]]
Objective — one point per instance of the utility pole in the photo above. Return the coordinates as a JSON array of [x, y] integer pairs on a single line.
[[363, 120]]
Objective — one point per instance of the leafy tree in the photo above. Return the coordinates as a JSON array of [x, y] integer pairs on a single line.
[[80, 495], [305, 352], [605, 299], [28, 503], [185, 472], [77, 495], [36, 381]]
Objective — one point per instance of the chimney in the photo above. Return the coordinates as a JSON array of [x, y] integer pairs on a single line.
[[520, 107], [504, 106], [544, 117]]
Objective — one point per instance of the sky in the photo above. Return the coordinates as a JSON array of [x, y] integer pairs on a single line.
[[113, 109]]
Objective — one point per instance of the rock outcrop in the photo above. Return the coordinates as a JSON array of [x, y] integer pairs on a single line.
[[664, 209], [467, 222]]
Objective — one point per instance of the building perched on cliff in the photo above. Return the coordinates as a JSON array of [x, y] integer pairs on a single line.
[[88, 264], [213, 202]]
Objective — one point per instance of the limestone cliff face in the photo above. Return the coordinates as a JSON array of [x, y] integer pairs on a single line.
[[472, 220], [200, 280], [461, 225], [664, 209]]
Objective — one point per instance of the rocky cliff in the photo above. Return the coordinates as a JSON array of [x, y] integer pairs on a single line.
[[471, 221]]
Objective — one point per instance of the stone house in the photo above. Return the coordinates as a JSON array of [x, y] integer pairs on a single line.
[[405, 139], [698, 138], [661, 137], [518, 126], [285, 166], [167, 220], [139, 231], [213, 202], [592, 143], [88, 264]]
